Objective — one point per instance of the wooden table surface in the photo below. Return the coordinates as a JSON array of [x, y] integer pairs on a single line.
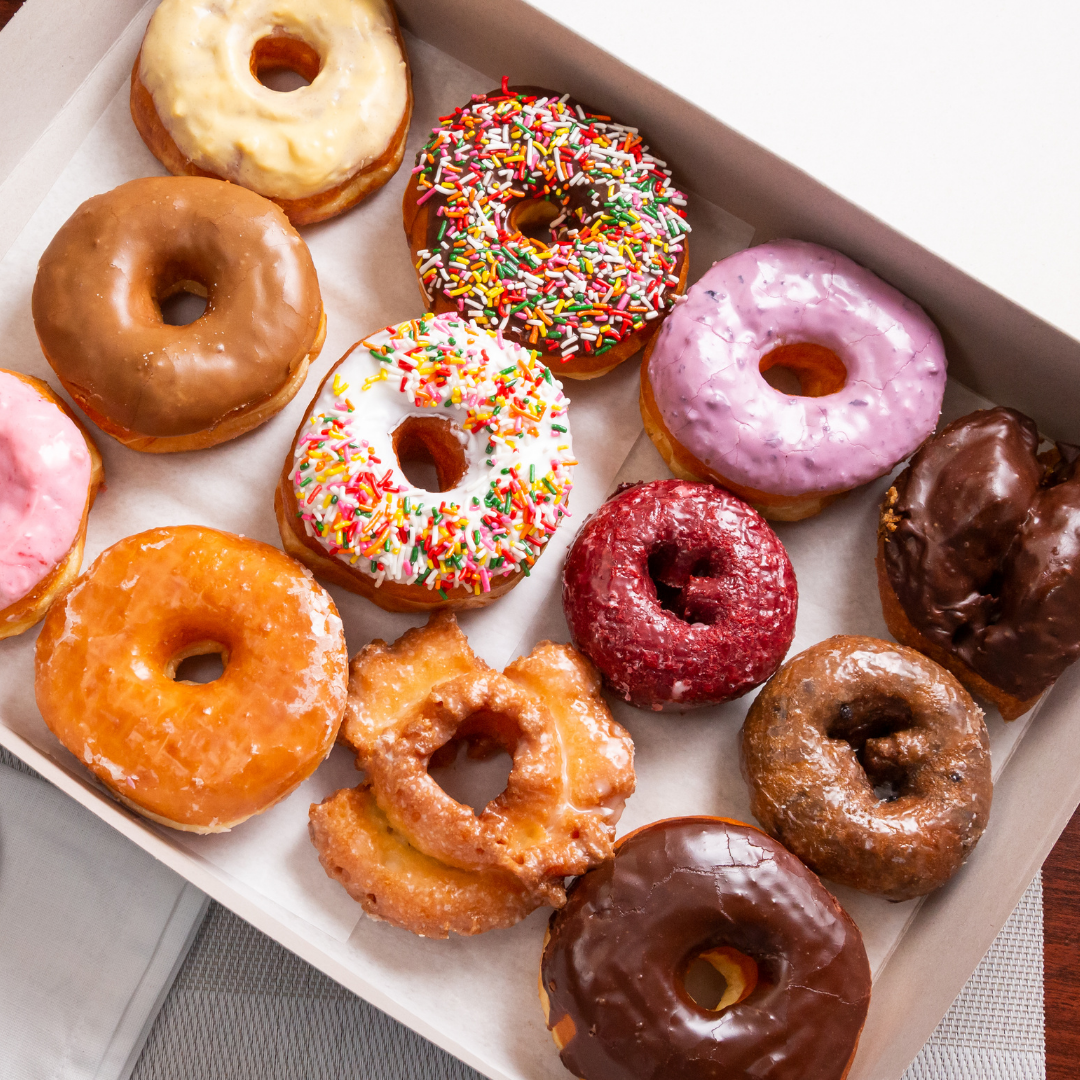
[[1061, 908]]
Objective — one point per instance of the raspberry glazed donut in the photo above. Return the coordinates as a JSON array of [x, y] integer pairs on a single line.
[[616, 977], [680, 594], [196, 757], [199, 104], [50, 472], [979, 557], [161, 388], [864, 372], [529, 213], [491, 419], [871, 763]]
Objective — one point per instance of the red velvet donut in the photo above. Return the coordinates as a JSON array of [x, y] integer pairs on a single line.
[[680, 594]]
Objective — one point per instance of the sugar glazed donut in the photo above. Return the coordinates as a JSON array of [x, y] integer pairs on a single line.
[[531, 214], [412, 855], [199, 105], [614, 975], [50, 472], [197, 757], [680, 594], [979, 557], [489, 416], [871, 763], [865, 367], [161, 388]]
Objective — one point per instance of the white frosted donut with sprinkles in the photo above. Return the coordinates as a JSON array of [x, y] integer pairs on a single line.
[[529, 213], [490, 418]]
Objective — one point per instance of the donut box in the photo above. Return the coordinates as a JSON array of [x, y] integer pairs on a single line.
[[477, 997]]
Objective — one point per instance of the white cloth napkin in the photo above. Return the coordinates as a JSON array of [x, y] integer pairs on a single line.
[[92, 933]]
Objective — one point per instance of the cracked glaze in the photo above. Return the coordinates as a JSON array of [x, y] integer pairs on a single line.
[[618, 950], [44, 475], [708, 387]]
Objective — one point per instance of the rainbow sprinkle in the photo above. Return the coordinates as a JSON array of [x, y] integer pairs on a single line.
[[617, 242], [354, 499]]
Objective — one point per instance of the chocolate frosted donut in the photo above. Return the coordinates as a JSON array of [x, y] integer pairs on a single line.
[[871, 763], [979, 557], [680, 594], [613, 973], [162, 388]]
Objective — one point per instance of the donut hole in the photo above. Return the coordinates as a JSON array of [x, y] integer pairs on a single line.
[[687, 583], [533, 218], [284, 63], [474, 767], [199, 663], [719, 978], [803, 369], [430, 452], [867, 727], [182, 302]]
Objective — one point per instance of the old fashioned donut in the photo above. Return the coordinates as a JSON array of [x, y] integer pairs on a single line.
[[979, 557], [50, 472], [865, 374], [199, 104], [871, 763], [533, 215], [197, 757], [614, 973], [161, 388], [412, 855], [680, 594], [491, 419]]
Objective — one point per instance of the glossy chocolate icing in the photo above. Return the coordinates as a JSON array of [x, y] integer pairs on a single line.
[[982, 547], [100, 280], [618, 951]]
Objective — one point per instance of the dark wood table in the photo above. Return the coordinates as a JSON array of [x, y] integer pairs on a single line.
[[1061, 914]]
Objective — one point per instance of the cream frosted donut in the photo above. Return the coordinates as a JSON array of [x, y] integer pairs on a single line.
[[491, 418], [871, 364], [199, 105], [50, 471]]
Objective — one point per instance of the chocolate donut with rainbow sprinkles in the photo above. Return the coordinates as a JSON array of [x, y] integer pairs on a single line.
[[490, 420]]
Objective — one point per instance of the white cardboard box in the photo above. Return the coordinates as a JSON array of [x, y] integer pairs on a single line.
[[996, 347]]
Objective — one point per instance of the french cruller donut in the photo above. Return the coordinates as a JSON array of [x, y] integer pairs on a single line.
[[199, 105]]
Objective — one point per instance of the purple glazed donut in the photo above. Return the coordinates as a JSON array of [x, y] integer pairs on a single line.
[[680, 594]]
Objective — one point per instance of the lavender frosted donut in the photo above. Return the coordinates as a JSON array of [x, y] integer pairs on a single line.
[[790, 374]]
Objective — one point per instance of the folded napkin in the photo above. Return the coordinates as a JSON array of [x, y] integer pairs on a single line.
[[92, 933]]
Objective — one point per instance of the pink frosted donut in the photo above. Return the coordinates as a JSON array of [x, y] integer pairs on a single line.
[[865, 370], [49, 473]]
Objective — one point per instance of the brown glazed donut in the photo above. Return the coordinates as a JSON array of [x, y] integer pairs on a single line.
[[871, 763], [613, 977], [979, 557], [161, 388]]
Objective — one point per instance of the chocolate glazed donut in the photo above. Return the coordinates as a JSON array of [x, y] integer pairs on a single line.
[[979, 557], [871, 763], [612, 977], [680, 594]]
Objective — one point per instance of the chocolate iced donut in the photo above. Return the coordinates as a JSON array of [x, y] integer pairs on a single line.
[[680, 594], [613, 975], [979, 557], [871, 763], [162, 388]]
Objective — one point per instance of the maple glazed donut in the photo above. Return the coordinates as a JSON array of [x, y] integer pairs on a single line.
[[871, 763], [680, 594], [531, 214], [617, 963], [485, 412], [199, 105], [865, 367], [196, 757], [50, 472], [161, 388], [979, 557]]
